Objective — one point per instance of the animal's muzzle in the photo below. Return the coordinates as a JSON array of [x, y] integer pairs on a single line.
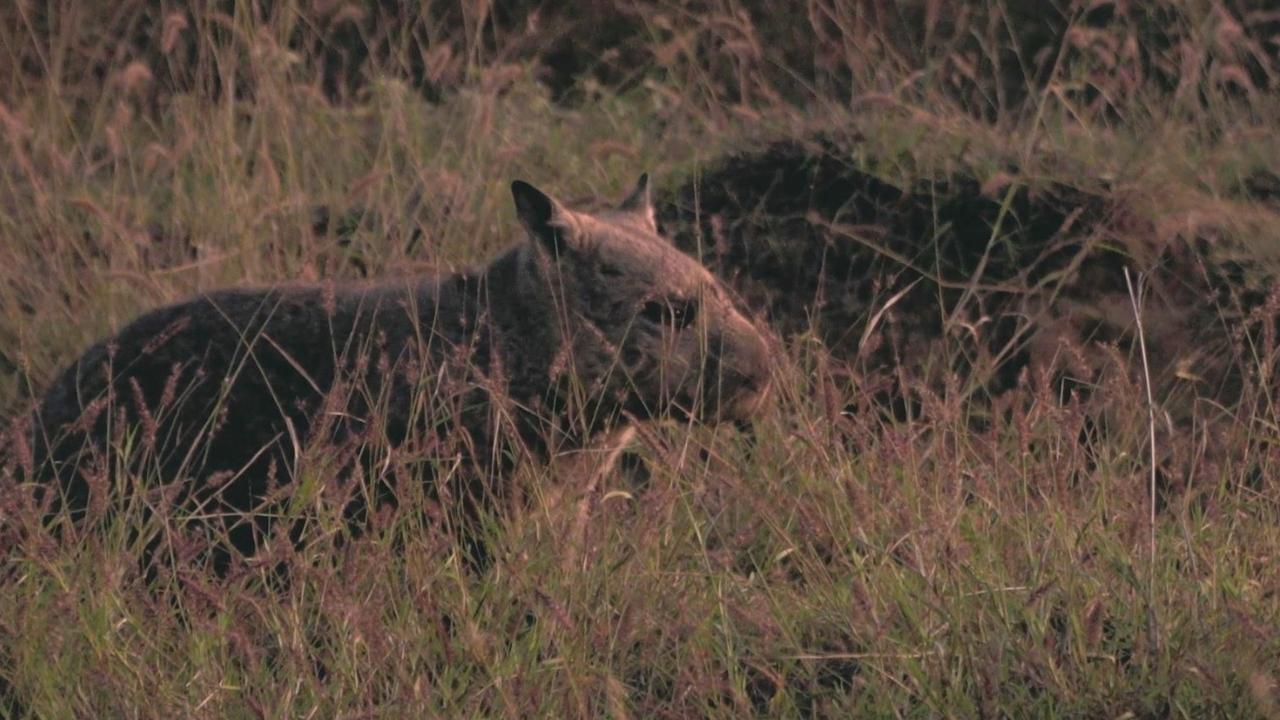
[[736, 375]]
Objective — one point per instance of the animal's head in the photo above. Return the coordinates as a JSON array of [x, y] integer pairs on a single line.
[[649, 329]]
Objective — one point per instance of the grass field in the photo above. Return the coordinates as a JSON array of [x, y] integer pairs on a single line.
[[1114, 553]]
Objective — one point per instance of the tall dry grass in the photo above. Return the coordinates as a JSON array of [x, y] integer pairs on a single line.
[[838, 562]]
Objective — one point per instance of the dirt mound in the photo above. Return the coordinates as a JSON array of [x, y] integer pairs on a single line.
[[952, 282]]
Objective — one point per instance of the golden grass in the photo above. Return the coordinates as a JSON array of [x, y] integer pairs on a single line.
[[838, 564]]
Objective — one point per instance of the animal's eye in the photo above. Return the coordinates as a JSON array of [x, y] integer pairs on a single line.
[[610, 271], [675, 312]]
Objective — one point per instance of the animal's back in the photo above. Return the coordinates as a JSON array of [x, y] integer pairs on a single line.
[[234, 382]]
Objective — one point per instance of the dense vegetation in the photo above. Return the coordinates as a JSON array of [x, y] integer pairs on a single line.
[[1021, 455]]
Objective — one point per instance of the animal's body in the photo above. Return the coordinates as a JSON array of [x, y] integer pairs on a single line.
[[590, 323]]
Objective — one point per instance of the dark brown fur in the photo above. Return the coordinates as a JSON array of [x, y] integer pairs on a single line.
[[591, 322]]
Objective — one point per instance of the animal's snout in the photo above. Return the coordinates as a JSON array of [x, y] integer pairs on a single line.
[[741, 363], [756, 373], [755, 382]]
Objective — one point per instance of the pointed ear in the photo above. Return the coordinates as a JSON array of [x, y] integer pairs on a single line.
[[541, 214], [640, 202]]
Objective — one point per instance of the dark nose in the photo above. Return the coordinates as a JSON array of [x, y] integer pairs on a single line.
[[758, 354], [747, 360], [755, 382]]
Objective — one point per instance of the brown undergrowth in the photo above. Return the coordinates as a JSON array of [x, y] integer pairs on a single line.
[[962, 499]]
